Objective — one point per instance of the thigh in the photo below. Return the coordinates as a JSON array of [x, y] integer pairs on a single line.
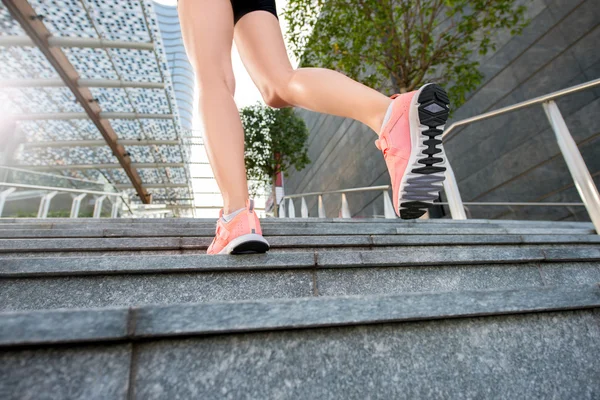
[[260, 43], [207, 30]]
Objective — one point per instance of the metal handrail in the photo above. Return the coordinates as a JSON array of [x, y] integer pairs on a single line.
[[76, 201], [51, 175], [59, 189], [444, 203], [53, 191], [517, 204], [345, 209], [568, 147], [388, 211], [581, 175], [360, 189], [523, 104]]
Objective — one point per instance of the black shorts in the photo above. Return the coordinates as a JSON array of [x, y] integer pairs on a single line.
[[243, 7]]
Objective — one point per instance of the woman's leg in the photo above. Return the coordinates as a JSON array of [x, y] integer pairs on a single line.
[[207, 29], [414, 157], [260, 43]]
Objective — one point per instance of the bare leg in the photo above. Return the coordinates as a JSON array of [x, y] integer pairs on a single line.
[[260, 44], [207, 28]]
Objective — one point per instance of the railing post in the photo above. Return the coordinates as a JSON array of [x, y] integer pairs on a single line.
[[388, 208], [114, 213], [3, 197], [345, 207], [292, 210], [581, 175], [98, 206], [321, 208], [282, 209], [304, 209], [45, 204], [76, 205], [41, 207], [455, 203]]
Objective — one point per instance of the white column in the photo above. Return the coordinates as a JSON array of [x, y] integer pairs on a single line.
[[45, 204], [282, 209], [345, 207], [3, 195], [321, 208], [115, 208], [76, 205], [292, 210], [304, 209], [98, 206]]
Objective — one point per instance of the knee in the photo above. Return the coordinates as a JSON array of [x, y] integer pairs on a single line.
[[230, 82], [275, 92], [273, 100], [215, 80]]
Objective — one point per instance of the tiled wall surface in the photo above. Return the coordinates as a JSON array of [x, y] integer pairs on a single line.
[[508, 158]]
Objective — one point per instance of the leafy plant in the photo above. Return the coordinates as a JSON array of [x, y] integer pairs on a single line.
[[397, 45], [275, 141], [51, 214]]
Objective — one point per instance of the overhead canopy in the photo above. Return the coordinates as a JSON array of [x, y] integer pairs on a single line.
[[116, 50]]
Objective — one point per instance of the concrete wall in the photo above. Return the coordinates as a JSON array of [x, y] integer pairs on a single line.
[[508, 158]]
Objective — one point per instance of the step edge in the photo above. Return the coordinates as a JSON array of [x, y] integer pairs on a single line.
[[35, 328], [65, 244], [25, 267]]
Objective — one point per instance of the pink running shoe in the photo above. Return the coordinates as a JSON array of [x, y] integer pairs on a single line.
[[414, 156], [241, 235]]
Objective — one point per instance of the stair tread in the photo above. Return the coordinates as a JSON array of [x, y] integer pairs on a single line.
[[443, 255], [133, 323], [267, 231], [183, 243], [163, 288], [286, 221]]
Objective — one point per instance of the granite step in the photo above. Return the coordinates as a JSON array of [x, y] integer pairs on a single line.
[[536, 355], [16, 246], [98, 228], [48, 283], [7, 222], [296, 223], [336, 304], [332, 229], [156, 321], [93, 291], [406, 256]]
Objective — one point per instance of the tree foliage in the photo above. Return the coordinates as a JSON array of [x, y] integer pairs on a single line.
[[275, 141], [395, 46]]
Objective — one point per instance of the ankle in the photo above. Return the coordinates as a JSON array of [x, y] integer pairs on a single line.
[[233, 207], [377, 123], [380, 118], [230, 216]]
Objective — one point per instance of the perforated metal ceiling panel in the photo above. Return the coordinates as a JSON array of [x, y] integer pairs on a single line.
[[110, 20]]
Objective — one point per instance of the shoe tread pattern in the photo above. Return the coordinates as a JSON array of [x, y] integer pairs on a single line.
[[423, 185]]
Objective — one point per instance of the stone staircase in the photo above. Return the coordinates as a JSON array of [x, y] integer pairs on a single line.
[[338, 309]]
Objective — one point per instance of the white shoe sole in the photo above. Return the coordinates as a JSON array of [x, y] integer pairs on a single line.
[[246, 244], [422, 180]]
